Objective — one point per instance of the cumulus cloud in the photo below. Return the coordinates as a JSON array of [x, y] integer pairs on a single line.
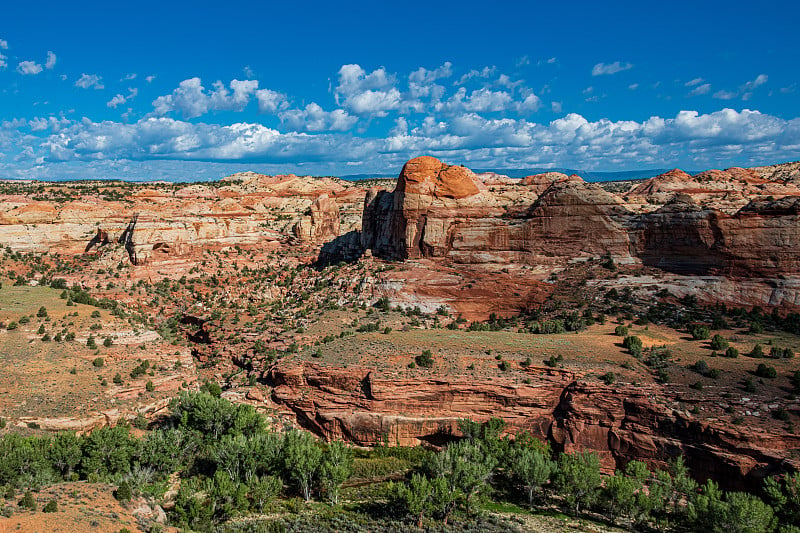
[[571, 140], [367, 94], [704, 88], [51, 60], [745, 91], [55, 124], [29, 68], [485, 72], [486, 123], [270, 101], [149, 79], [191, 99], [3, 63], [120, 99], [314, 119], [3, 44], [87, 81], [601, 69], [725, 95]]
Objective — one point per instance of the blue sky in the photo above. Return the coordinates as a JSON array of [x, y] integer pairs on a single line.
[[197, 90]]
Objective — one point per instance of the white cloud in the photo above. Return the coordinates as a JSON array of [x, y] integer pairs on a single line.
[[129, 77], [485, 72], [149, 79], [633, 86], [30, 68], [725, 95], [87, 81], [53, 123], [3, 63], [529, 104], [700, 89], [366, 94], [117, 100], [745, 90], [51, 60], [120, 99], [3, 44], [313, 118], [487, 124], [601, 69], [270, 101], [692, 83], [191, 99], [569, 141]]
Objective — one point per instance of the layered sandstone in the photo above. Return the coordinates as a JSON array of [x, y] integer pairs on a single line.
[[155, 222], [618, 423], [717, 223]]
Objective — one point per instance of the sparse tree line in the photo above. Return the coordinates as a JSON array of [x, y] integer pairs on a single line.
[[230, 464]]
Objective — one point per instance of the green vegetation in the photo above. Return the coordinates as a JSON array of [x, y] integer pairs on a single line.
[[230, 464]]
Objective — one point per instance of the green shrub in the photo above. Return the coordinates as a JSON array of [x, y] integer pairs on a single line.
[[633, 344], [28, 501], [98, 362], [425, 359], [51, 507], [719, 343], [621, 331], [699, 332], [765, 371], [123, 492]]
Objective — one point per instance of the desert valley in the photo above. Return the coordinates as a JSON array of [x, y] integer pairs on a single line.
[[644, 330]]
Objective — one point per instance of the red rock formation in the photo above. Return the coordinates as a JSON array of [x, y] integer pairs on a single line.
[[321, 224], [717, 223], [624, 422], [441, 211], [540, 182], [620, 424]]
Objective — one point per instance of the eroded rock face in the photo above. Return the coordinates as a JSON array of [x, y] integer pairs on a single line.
[[174, 221], [716, 223], [322, 223], [446, 212], [418, 218], [619, 423]]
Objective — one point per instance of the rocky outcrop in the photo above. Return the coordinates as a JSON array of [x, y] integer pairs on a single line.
[[175, 221], [716, 223], [445, 212], [321, 224], [619, 423], [762, 240], [540, 182], [418, 219]]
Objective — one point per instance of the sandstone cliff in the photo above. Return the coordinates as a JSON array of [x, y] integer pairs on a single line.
[[619, 423]]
